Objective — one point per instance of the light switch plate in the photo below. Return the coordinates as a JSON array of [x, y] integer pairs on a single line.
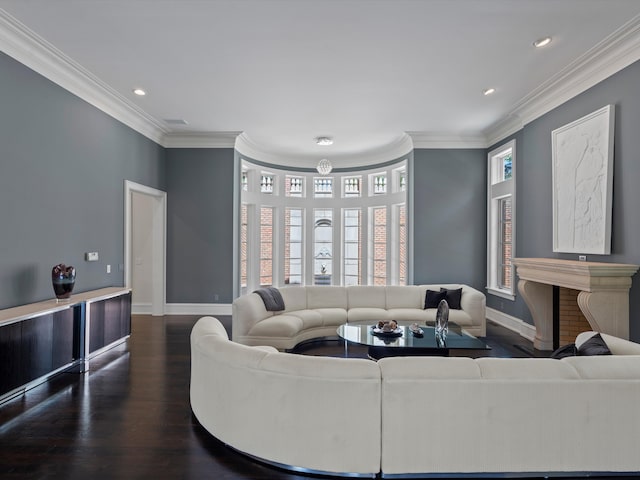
[[91, 256]]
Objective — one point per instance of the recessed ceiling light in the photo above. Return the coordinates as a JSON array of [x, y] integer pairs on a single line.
[[139, 91], [324, 141], [542, 42], [488, 91]]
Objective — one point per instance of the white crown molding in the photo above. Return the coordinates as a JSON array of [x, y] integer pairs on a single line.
[[617, 51], [396, 149], [200, 140], [446, 140], [22, 44]]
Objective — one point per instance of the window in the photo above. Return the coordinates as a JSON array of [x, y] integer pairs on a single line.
[[402, 244], [501, 220], [351, 187], [323, 246], [299, 228], [266, 246], [243, 248], [379, 184], [293, 223], [266, 183], [293, 186], [323, 187], [379, 242], [352, 256]]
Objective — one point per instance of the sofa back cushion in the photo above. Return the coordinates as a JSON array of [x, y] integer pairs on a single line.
[[525, 369], [369, 296], [326, 297], [295, 298], [403, 296]]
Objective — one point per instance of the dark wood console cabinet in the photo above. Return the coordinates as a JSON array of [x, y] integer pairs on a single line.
[[40, 340]]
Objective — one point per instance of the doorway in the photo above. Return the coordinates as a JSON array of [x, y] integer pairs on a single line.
[[145, 247]]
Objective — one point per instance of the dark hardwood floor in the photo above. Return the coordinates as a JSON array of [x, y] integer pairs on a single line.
[[129, 417]]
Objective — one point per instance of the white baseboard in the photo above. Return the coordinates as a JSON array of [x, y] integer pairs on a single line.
[[140, 309], [512, 323], [197, 309]]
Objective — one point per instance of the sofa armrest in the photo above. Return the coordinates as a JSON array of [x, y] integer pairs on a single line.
[[474, 303], [246, 311]]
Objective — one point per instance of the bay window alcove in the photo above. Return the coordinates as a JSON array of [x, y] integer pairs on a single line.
[[301, 228]]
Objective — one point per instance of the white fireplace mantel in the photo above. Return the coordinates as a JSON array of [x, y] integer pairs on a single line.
[[603, 297]]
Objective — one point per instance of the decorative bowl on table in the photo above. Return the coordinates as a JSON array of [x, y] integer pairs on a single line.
[[387, 329]]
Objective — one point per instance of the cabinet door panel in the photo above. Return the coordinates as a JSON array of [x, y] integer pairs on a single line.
[[63, 338], [96, 326], [10, 357], [37, 346]]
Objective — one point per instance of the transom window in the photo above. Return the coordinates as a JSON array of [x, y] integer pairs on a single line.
[[347, 229]]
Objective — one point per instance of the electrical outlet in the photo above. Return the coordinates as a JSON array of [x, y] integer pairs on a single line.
[[582, 258], [108, 268], [216, 297]]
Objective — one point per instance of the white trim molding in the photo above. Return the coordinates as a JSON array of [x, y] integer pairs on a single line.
[[514, 324], [617, 51], [203, 309], [28, 48], [400, 147], [159, 254], [200, 140], [447, 140]]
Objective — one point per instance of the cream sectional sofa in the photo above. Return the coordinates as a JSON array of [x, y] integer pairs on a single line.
[[420, 416], [316, 311]]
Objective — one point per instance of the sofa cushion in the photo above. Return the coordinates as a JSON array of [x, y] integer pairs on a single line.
[[326, 297], [525, 369], [367, 315], [295, 298], [405, 296], [310, 318], [606, 367], [332, 317], [459, 317], [277, 326], [453, 297], [433, 298], [366, 296], [409, 315]]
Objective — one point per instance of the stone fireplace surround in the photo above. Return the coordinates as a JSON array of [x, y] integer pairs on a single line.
[[603, 298]]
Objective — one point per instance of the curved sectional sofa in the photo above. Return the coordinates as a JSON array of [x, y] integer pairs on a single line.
[[317, 311], [420, 416]]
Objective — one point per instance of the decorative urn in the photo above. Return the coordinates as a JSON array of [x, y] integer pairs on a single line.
[[63, 278]]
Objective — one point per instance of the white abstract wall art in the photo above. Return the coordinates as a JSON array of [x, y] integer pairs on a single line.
[[583, 183]]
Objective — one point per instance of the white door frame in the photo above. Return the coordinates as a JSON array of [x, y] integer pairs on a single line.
[[159, 237]]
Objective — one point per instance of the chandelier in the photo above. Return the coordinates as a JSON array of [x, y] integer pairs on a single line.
[[324, 167]]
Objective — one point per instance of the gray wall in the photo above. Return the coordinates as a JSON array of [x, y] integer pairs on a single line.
[[62, 169], [534, 194], [200, 225], [450, 222]]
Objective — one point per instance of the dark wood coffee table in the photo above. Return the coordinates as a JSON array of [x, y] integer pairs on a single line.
[[407, 344]]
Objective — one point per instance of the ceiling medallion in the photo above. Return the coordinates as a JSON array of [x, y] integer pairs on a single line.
[[324, 167]]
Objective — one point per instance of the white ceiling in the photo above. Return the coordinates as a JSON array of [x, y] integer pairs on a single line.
[[363, 72]]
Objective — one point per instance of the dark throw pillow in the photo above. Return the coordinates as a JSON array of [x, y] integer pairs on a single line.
[[594, 346], [432, 299], [453, 297], [565, 351]]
